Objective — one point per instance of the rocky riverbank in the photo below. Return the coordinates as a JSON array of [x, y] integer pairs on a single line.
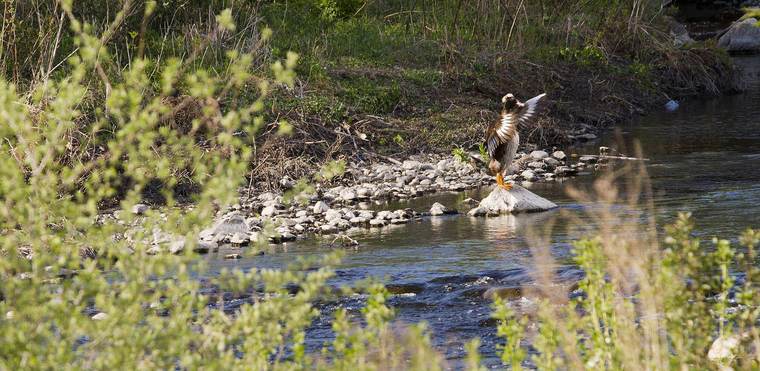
[[356, 203]]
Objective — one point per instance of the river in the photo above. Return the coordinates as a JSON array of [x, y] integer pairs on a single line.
[[703, 158]]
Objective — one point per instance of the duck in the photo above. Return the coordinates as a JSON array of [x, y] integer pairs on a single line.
[[503, 136]]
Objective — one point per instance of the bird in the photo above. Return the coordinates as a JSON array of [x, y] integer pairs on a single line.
[[502, 136]]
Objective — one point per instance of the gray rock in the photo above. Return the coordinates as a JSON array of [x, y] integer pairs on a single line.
[[177, 246], [286, 183], [551, 162], [240, 239], [269, 211], [384, 215], [139, 209], [287, 236], [536, 165], [301, 213], [100, 316], [439, 209], [333, 214], [232, 256], [559, 155], [348, 194], [529, 175], [516, 200], [328, 228], [363, 193], [539, 155], [743, 36], [358, 220], [411, 165], [299, 228], [267, 196], [378, 222], [368, 214], [399, 221], [320, 207], [588, 159]]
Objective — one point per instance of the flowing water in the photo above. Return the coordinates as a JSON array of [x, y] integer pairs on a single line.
[[704, 158]]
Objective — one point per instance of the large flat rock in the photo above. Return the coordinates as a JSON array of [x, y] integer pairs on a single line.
[[742, 37], [516, 200]]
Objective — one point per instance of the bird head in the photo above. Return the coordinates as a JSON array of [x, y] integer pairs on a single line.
[[508, 101]]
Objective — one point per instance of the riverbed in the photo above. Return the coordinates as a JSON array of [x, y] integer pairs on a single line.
[[703, 158]]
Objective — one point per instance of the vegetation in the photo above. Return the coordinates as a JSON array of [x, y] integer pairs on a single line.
[[111, 113], [428, 72]]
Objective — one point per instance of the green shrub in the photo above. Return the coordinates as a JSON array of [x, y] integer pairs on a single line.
[[81, 290], [640, 306]]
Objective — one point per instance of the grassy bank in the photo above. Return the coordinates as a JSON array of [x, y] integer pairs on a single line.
[[395, 77], [83, 290]]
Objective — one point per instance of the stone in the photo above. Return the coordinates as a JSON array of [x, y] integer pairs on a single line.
[[741, 37], [516, 200], [100, 316], [232, 256], [286, 183], [723, 348], [267, 196], [536, 165], [539, 155], [551, 162], [529, 175], [301, 213], [378, 222], [287, 236], [588, 159], [239, 239], [411, 165], [368, 214], [333, 214], [363, 193], [177, 246], [399, 221], [348, 194], [328, 228], [269, 211], [565, 170], [440, 209], [320, 207], [559, 155], [358, 220], [206, 246], [139, 209]]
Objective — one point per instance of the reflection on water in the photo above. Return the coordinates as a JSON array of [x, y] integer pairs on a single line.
[[705, 159]]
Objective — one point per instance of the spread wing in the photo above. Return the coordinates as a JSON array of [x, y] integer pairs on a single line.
[[504, 130]]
